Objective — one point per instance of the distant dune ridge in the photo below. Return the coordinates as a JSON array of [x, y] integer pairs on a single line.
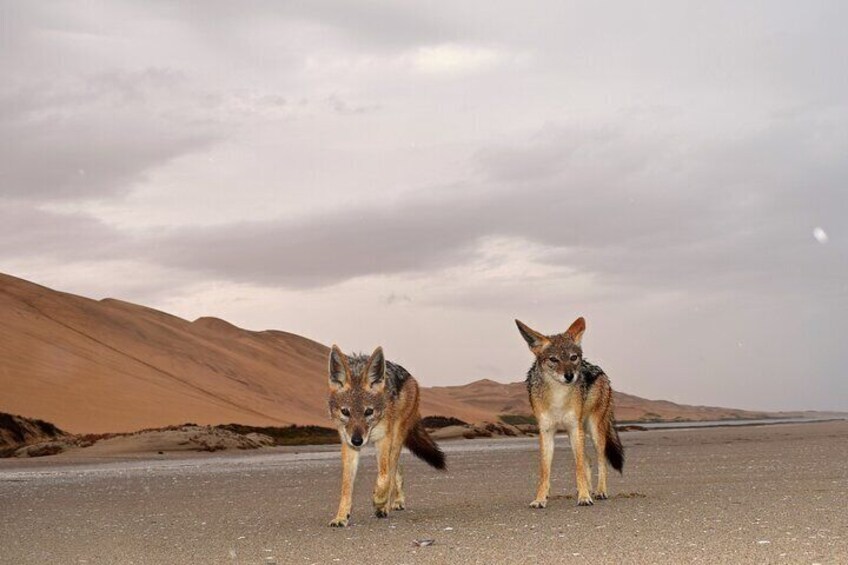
[[92, 366]]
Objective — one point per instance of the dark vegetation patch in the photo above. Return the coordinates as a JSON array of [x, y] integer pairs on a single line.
[[289, 435], [437, 422], [517, 419], [42, 449], [17, 432], [20, 430]]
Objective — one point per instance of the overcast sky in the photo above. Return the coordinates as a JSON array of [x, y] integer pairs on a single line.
[[417, 175]]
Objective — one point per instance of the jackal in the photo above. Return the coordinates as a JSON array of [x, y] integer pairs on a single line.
[[566, 389], [373, 399]]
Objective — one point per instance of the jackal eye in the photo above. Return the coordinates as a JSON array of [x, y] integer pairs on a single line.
[[345, 412], [553, 360], [574, 357], [369, 411]]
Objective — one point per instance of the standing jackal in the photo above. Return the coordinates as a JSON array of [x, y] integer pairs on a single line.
[[372, 399], [566, 389]]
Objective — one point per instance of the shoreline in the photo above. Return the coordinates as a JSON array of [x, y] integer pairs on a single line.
[[80, 458], [727, 423]]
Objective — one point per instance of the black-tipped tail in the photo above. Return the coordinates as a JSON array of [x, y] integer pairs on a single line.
[[419, 442], [614, 450]]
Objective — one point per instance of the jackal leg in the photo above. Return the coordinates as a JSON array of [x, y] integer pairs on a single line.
[[388, 453], [576, 435], [546, 455], [587, 463], [398, 497], [598, 426], [350, 462]]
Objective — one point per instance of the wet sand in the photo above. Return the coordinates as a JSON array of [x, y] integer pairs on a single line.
[[772, 494]]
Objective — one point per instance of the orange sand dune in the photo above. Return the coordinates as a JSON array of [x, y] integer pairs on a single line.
[[93, 366], [108, 366]]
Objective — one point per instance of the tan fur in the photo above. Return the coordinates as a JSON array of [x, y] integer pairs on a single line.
[[575, 405], [398, 415]]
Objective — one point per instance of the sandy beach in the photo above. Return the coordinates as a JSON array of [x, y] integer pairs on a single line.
[[771, 494]]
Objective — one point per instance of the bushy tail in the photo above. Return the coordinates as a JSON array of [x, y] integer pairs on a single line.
[[419, 442], [614, 450]]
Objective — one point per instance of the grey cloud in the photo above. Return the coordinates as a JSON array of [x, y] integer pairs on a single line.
[[606, 202], [321, 250], [342, 106], [631, 210], [27, 232], [97, 136], [383, 24], [394, 298]]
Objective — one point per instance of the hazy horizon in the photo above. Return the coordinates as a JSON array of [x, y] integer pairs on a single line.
[[417, 177]]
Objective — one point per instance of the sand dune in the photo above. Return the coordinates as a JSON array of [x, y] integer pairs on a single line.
[[92, 366], [111, 366], [499, 398]]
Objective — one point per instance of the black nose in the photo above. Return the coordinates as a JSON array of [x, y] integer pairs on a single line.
[[356, 440], [568, 377]]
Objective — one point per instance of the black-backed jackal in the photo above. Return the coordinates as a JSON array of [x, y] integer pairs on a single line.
[[566, 389], [372, 399]]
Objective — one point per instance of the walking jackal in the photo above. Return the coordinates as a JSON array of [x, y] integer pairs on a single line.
[[566, 389], [375, 400]]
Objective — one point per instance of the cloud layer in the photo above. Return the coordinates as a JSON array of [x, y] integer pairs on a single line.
[[418, 177]]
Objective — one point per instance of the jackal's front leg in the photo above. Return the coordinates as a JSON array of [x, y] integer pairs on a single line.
[[388, 453], [350, 462], [546, 455], [577, 437], [398, 497]]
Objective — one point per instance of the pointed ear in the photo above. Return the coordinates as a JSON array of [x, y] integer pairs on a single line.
[[339, 370], [536, 341], [376, 370], [575, 331]]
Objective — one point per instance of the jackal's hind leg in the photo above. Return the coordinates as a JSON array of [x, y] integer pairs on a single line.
[[598, 427], [587, 464], [577, 437], [388, 453]]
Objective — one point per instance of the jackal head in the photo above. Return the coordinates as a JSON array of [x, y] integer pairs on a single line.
[[557, 356], [357, 394]]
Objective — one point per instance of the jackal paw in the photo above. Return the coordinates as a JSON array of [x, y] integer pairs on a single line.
[[600, 496], [381, 512], [585, 501], [538, 504], [398, 505], [340, 522]]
